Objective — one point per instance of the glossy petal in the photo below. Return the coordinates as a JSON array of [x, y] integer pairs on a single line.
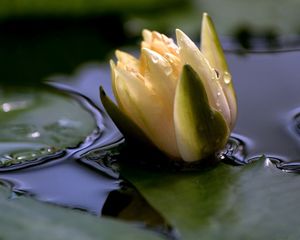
[[113, 81], [212, 50], [191, 55], [147, 110], [200, 130], [127, 101], [160, 73], [127, 58], [127, 127]]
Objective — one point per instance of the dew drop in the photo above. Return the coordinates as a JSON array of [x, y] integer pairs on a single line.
[[168, 70], [217, 74], [227, 77], [12, 106], [34, 135], [154, 59]]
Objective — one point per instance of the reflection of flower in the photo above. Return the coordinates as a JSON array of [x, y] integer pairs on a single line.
[[178, 97]]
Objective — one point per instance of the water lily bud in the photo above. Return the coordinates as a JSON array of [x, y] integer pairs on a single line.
[[175, 96]]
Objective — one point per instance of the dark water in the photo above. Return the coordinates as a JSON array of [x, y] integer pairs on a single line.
[[86, 177]]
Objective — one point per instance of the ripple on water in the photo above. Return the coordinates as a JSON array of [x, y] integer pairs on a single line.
[[39, 124], [235, 151], [85, 178], [55, 129]]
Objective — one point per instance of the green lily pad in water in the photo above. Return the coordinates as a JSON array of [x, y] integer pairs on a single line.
[[24, 218], [256, 201], [38, 122]]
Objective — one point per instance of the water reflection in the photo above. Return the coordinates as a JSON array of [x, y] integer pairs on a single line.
[[235, 151], [267, 89], [128, 204], [66, 184]]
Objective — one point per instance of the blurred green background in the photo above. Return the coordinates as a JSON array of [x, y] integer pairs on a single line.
[[39, 38]]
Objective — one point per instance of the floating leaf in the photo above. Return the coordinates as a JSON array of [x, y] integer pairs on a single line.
[[38, 122], [256, 201], [24, 218]]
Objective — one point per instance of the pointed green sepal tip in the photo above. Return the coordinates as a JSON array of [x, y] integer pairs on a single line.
[[200, 130], [211, 45], [212, 49], [127, 127]]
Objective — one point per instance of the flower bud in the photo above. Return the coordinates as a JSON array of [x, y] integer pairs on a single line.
[[175, 96]]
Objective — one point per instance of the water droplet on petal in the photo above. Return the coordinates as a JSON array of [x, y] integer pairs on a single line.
[[217, 74], [227, 77], [168, 70], [154, 59]]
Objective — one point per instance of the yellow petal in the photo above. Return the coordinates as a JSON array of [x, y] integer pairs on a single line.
[[124, 123], [147, 35], [175, 63], [147, 111], [128, 104], [113, 82], [158, 70], [159, 43], [127, 59]]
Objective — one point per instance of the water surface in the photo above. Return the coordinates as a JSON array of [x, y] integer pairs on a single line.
[[86, 176]]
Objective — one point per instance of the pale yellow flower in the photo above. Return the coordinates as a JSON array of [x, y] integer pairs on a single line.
[[177, 96]]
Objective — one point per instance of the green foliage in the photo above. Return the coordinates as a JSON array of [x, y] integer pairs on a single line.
[[256, 201], [24, 218], [37, 122]]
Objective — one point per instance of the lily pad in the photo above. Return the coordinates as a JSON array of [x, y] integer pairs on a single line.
[[256, 201], [24, 218], [38, 122]]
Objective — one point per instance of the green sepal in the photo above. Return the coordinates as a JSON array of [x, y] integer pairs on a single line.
[[212, 49], [200, 130], [211, 46], [127, 127]]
